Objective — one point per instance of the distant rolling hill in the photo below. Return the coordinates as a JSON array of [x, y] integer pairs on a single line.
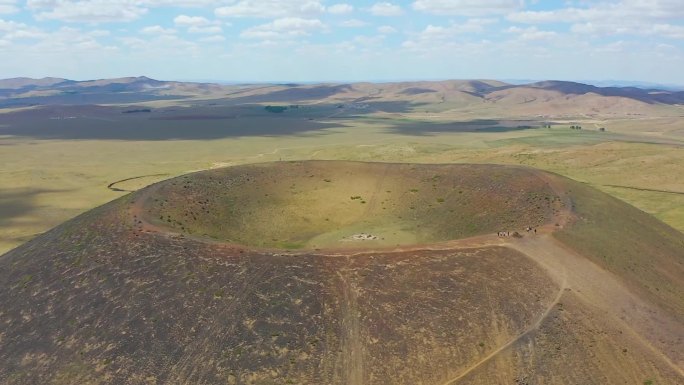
[[28, 83], [536, 97], [19, 92], [349, 273]]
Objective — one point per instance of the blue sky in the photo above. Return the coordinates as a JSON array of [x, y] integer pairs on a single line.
[[319, 40]]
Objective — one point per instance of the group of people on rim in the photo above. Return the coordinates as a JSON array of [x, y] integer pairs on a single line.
[[508, 233]]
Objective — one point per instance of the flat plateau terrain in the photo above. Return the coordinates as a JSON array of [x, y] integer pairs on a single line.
[[63, 143], [147, 289]]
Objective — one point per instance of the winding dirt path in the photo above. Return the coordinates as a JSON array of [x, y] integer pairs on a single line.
[[508, 344], [601, 289], [645, 189], [597, 288], [111, 185]]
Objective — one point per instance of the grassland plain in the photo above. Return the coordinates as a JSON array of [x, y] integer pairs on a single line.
[[56, 159], [109, 298], [47, 181]]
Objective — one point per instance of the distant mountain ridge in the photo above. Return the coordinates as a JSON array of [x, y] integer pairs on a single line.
[[23, 82], [57, 91], [129, 83]]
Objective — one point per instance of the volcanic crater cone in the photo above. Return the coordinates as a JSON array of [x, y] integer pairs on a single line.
[[327, 272]]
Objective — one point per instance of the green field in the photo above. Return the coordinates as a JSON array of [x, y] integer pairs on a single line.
[[54, 170]]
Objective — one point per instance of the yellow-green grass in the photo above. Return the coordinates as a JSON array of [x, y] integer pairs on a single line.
[[45, 182], [325, 203]]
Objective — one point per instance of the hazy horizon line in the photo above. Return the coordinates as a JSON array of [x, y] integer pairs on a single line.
[[594, 82]]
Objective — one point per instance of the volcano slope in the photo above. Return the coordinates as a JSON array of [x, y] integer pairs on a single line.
[[253, 275]]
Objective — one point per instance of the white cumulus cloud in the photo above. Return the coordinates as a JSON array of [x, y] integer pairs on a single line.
[[668, 30], [157, 30], [210, 29], [435, 35], [386, 9], [271, 9], [213, 39], [198, 24], [284, 28], [8, 6], [191, 21], [353, 23], [626, 17], [627, 11], [340, 9], [90, 11], [103, 11], [12, 30], [467, 7], [531, 33], [9, 25], [387, 29]]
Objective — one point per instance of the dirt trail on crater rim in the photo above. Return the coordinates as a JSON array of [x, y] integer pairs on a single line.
[[463, 307]]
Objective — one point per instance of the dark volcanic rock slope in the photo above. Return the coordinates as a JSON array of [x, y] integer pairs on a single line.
[[97, 301], [110, 298]]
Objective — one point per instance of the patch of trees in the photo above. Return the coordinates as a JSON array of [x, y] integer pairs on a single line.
[[137, 111], [276, 109], [575, 127]]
